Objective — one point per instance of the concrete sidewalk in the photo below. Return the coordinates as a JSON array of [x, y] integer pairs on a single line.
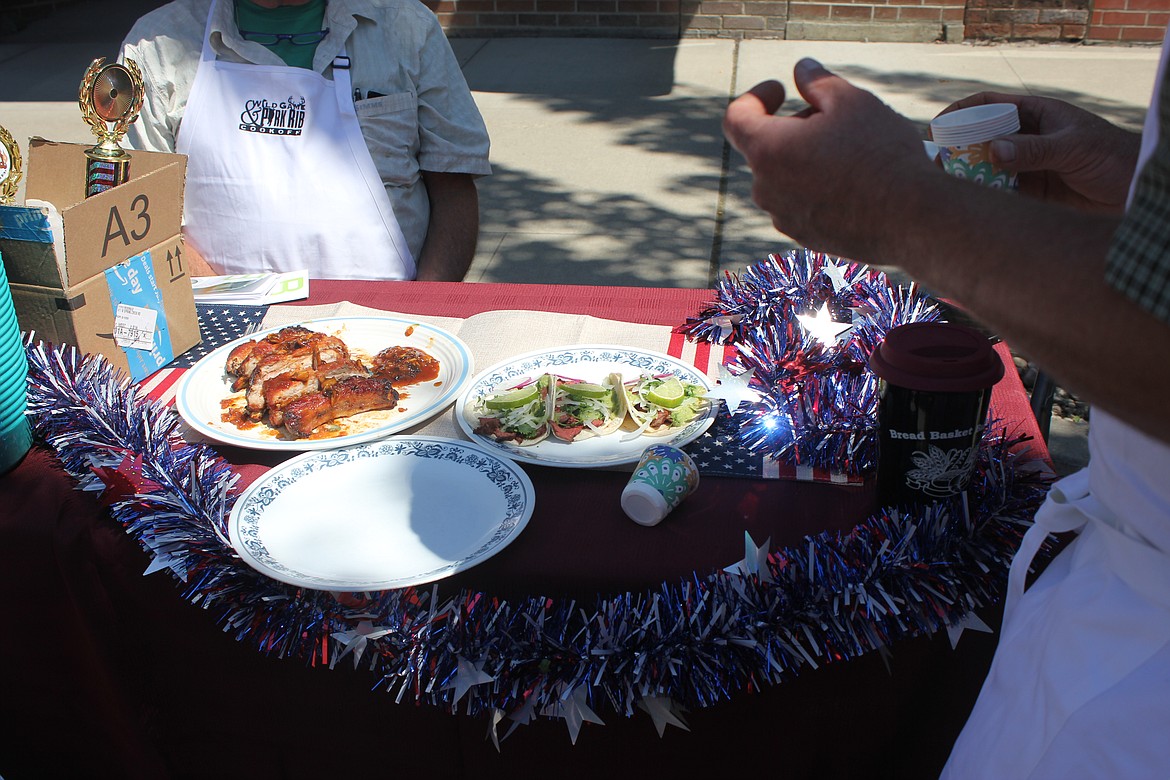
[[610, 161], [610, 164]]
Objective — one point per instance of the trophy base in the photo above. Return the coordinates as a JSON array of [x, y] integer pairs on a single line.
[[103, 173]]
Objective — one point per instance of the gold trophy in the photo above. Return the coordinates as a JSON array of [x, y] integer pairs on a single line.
[[109, 95], [10, 167]]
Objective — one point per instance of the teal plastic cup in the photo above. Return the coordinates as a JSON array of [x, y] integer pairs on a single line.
[[11, 417], [10, 347], [13, 392], [15, 431], [12, 386], [13, 360], [13, 377], [15, 442], [9, 325]]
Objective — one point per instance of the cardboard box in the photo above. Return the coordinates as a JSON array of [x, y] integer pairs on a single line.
[[71, 270]]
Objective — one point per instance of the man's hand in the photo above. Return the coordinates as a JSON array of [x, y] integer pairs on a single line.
[[848, 176], [1063, 153], [829, 174]]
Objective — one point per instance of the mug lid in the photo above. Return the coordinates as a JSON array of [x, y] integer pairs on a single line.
[[936, 356]]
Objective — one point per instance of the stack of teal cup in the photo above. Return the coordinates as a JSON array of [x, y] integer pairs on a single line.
[[15, 434]]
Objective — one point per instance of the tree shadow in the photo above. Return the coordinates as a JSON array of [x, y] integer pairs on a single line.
[[653, 241], [617, 240], [46, 58], [571, 67]]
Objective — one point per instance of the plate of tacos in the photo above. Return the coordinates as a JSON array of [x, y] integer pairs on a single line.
[[585, 406]]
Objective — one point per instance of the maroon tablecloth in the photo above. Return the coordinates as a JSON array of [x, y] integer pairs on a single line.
[[106, 672]]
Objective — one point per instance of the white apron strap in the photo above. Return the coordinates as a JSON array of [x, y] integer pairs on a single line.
[[206, 54], [361, 152], [1057, 515], [1071, 507]]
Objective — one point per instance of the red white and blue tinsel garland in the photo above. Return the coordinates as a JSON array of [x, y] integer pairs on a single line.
[[817, 403], [688, 644]]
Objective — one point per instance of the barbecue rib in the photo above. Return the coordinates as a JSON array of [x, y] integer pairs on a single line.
[[242, 360], [302, 358], [302, 379], [341, 398], [404, 365], [282, 390]]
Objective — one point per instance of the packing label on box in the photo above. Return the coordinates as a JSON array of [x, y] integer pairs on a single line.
[[134, 327], [145, 339]]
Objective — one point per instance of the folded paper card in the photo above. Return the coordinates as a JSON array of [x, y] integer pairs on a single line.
[[252, 289]]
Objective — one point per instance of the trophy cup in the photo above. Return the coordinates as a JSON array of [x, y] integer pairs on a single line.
[[10, 167], [110, 98]]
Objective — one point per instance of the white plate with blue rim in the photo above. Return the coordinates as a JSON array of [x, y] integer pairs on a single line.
[[587, 363], [401, 511], [205, 399]]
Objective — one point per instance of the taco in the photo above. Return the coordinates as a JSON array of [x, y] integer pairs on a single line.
[[519, 415], [582, 410], [661, 405]]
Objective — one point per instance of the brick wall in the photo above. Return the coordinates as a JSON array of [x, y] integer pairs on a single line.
[[890, 20], [1128, 20], [616, 18], [1016, 20], [1115, 21], [736, 18]]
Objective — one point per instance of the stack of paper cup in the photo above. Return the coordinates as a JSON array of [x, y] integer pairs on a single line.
[[964, 139], [15, 435]]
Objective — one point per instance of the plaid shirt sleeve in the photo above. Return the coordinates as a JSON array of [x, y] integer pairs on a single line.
[[1138, 264]]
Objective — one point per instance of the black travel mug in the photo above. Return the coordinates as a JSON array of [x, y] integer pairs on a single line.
[[935, 388]]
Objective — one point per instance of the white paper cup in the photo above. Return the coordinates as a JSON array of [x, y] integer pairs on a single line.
[[964, 141], [664, 477]]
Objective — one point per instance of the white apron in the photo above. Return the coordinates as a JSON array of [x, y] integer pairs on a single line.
[[279, 177], [1080, 684]]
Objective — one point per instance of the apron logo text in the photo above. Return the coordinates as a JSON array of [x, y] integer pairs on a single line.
[[284, 118]]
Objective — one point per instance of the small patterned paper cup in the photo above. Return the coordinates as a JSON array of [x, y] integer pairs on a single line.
[[973, 162], [664, 477], [964, 139]]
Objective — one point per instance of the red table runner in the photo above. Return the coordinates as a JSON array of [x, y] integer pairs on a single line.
[[113, 672]]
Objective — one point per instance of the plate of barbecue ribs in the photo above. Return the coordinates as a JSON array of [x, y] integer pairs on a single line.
[[324, 384]]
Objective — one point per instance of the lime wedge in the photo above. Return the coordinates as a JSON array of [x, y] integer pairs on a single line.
[[585, 390], [668, 394], [513, 399]]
